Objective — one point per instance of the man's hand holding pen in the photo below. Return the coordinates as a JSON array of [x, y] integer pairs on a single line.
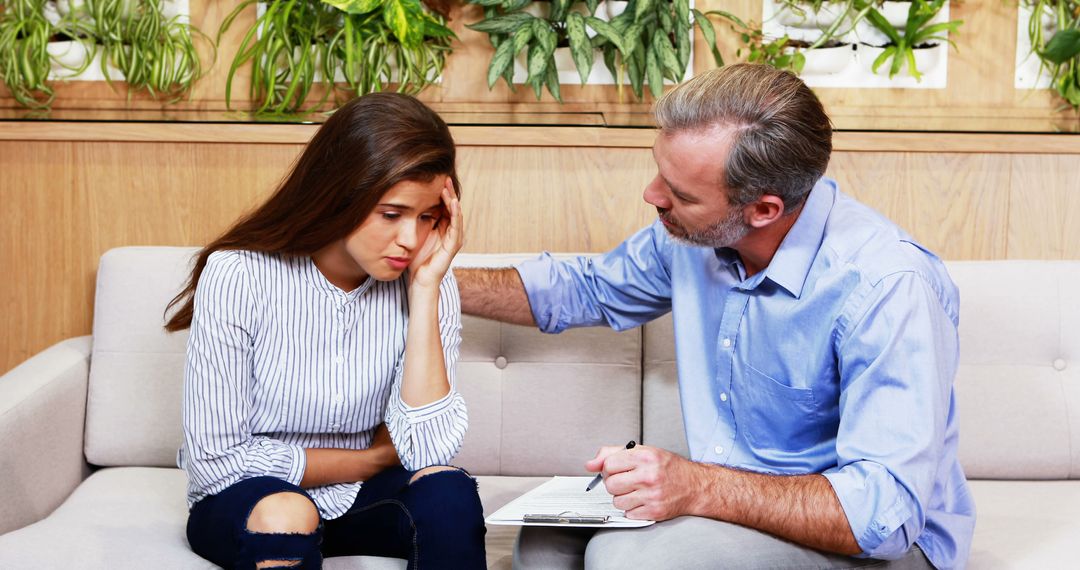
[[649, 483]]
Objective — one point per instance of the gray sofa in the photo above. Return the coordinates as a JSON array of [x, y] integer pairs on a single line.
[[89, 427]]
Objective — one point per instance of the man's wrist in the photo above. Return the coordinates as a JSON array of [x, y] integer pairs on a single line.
[[706, 500]]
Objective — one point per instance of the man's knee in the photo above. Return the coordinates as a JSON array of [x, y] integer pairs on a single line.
[[284, 513]]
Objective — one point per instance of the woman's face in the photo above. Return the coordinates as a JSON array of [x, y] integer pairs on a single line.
[[388, 239]]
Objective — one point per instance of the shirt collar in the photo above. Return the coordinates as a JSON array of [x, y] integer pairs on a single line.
[[319, 281], [791, 263]]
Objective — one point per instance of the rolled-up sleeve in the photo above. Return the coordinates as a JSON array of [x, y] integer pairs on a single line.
[[218, 440], [622, 289], [432, 434], [898, 352]]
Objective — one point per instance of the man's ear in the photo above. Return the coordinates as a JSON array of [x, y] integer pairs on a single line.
[[764, 211]]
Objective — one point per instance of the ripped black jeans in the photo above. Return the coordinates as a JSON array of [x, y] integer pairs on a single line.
[[437, 522]]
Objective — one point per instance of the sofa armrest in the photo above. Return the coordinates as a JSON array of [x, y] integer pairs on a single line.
[[42, 413]]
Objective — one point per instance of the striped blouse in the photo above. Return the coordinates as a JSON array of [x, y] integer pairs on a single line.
[[279, 359]]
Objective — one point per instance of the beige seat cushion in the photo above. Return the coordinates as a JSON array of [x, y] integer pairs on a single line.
[[1025, 524], [134, 517]]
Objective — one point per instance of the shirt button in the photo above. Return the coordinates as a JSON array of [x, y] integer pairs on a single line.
[[723, 396], [501, 362], [339, 360], [727, 342], [719, 450], [335, 427], [339, 398], [1059, 364]]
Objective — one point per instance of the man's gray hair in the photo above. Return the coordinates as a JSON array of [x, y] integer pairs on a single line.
[[781, 137]]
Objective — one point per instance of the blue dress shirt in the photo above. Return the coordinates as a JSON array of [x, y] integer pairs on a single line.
[[838, 358]]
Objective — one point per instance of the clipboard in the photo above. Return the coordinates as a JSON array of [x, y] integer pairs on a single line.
[[565, 518], [564, 502]]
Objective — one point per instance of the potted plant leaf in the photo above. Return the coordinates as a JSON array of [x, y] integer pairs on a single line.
[[917, 41]]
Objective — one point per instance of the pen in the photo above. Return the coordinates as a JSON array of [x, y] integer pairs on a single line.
[[599, 476]]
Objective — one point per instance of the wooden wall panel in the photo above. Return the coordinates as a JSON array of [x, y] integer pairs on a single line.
[[956, 204], [560, 199], [65, 203], [1044, 207]]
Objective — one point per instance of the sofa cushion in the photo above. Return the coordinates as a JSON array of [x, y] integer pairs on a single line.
[[1018, 384], [136, 369], [662, 420], [542, 404], [134, 517], [1025, 524]]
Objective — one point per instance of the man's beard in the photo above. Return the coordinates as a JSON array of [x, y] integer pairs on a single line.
[[721, 234]]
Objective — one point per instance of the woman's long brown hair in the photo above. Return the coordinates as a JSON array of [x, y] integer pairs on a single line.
[[363, 149]]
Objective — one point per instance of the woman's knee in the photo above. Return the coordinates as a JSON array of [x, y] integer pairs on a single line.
[[284, 513], [453, 490], [434, 469]]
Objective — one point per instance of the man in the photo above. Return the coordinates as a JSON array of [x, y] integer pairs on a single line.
[[816, 345]]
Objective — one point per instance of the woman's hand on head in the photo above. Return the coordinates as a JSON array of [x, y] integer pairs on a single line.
[[433, 260]]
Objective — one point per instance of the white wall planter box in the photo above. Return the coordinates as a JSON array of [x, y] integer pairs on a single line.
[[69, 53], [1029, 73], [822, 70]]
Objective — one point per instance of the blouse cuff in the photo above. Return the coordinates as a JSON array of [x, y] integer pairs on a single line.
[[415, 415]]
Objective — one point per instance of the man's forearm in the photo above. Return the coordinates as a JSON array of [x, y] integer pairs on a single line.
[[494, 294], [800, 508]]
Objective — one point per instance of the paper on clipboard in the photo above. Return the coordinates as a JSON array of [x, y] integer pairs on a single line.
[[564, 495]]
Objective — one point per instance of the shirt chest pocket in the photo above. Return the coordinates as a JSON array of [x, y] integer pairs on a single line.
[[773, 415]]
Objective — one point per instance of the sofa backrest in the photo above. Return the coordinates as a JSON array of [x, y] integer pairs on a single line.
[[541, 404], [136, 368], [538, 404], [1019, 379]]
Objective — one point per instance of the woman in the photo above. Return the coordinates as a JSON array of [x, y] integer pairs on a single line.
[[319, 398]]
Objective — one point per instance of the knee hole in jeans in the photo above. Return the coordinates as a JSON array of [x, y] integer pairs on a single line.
[[433, 469], [284, 513]]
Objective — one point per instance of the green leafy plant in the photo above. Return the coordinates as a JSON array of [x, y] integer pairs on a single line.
[[760, 48], [297, 44], [804, 9], [919, 32], [378, 35], [653, 43], [24, 57], [1060, 54], [512, 30], [647, 43], [155, 54]]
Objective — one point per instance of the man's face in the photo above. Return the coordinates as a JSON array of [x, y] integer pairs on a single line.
[[688, 190]]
